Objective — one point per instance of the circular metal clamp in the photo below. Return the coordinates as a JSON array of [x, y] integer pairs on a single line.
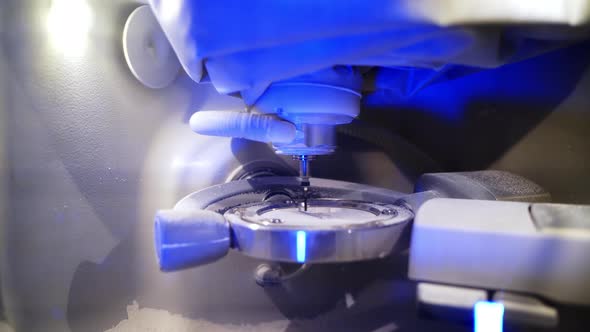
[[344, 222], [330, 231]]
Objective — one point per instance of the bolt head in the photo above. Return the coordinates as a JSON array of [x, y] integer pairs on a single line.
[[388, 212]]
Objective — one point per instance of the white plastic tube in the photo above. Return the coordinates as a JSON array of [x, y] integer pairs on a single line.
[[256, 127]]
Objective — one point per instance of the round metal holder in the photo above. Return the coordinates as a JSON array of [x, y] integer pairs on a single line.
[[330, 230], [264, 218]]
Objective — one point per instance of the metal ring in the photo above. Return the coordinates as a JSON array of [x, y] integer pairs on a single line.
[[258, 234]]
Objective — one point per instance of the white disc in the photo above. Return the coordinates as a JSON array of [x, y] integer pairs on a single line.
[[148, 53], [321, 214], [326, 215]]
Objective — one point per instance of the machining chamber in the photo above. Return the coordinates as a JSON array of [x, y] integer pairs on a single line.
[[88, 154]]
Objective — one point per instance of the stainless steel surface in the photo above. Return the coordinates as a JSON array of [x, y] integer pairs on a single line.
[[334, 230], [311, 139], [253, 208], [264, 218]]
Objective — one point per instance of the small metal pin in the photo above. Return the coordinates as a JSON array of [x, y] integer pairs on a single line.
[[302, 206], [304, 177], [305, 191]]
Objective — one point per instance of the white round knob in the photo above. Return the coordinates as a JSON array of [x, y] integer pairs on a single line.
[[147, 50]]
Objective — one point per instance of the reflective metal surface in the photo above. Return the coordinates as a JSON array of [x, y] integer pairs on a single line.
[[331, 230], [322, 214]]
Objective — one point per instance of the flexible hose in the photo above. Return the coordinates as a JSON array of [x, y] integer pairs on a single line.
[[256, 127]]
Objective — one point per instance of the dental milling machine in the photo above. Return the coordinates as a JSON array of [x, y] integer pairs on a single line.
[[470, 237]]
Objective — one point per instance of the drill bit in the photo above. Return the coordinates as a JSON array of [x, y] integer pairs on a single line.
[[304, 161]]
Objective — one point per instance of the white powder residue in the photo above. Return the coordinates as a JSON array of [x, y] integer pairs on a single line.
[[5, 327], [155, 320]]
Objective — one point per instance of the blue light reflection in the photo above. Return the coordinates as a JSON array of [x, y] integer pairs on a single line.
[[488, 317], [301, 246]]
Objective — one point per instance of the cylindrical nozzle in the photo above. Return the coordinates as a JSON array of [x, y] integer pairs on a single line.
[[304, 161]]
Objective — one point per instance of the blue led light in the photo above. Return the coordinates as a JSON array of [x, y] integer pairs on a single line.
[[488, 317], [301, 246]]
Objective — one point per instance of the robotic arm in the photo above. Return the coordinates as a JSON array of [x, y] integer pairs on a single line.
[[298, 116], [295, 104]]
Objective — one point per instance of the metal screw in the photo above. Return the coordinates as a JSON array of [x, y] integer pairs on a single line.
[[267, 275], [388, 212]]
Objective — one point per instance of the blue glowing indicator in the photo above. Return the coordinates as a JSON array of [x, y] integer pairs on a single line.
[[301, 246], [488, 317]]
